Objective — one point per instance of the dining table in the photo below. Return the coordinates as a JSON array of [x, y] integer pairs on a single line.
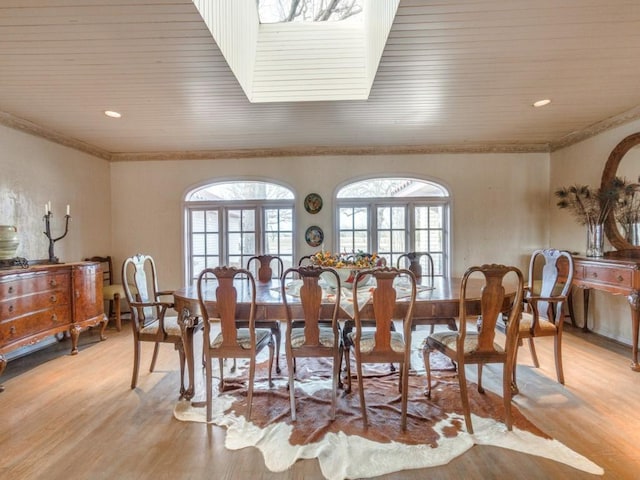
[[439, 301]]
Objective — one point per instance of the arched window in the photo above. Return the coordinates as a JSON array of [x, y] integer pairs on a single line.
[[392, 216], [229, 222]]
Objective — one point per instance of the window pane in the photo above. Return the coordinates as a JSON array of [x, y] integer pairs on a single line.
[[398, 241], [197, 244], [435, 241], [346, 242], [241, 190], [384, 217], [197, 265], [233, 220], [212, 221], [248, 220], [286, 219], [360, 241], [271, 243], [213, 262], [212, 244], [360, 218], [249, 244], [235, 261], [392, 187], [346, 218], [271, 219], [398, 217], [422, 241], [384, 241], [235, 244], [422, 217], [435, 217], [197, 221]]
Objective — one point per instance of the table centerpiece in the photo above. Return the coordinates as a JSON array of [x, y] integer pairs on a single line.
[[346, 265]]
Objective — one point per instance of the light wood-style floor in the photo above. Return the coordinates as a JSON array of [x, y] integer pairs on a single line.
[[75, 417]]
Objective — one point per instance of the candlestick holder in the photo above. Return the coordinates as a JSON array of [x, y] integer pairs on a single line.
[[52, 241]]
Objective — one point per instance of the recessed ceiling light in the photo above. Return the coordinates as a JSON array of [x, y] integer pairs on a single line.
[[542, 103], [112, 114]]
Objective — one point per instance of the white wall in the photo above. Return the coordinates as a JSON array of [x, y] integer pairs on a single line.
[[500, 201], [583, 163], [35, 171]]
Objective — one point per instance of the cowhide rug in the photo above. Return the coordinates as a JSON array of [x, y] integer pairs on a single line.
[[435, 434]]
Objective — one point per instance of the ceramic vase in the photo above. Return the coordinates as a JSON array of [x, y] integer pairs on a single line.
[[9, 241]]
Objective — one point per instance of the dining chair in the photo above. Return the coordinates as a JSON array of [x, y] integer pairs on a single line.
[[382, 344], [151, 321], [549, 284], [305, 260], [111, 292], [312, 333], [480, 347], [233, 341], [264, 274], [415, 261]]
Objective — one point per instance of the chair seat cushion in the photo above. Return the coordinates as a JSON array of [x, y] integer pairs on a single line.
[[368, 341], [171, 327], [326, 337], [109, 291], [244, 339], [543, 324], [449, 339]]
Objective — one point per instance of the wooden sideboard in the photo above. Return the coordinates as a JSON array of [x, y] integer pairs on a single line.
[[618, 276], [45, 300]]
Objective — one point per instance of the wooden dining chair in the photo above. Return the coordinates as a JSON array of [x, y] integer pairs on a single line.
[[549, 283], [151, 321], [415, 261], [381, 344], [305, 260], [232, 341], [312, 334], [480, 346], [111, 292], [264, 273]]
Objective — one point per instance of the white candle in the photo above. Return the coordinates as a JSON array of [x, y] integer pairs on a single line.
[[49, 206], [68, 210], [46, 209]]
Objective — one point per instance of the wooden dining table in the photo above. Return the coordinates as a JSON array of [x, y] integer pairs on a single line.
[[440, 303]]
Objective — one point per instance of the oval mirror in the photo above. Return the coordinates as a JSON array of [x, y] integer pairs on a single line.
[[623, 162]]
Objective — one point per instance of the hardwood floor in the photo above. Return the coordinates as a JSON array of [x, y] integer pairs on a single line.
[[75, 417]]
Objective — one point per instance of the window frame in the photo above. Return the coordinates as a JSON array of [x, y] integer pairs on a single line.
[[410, 203]]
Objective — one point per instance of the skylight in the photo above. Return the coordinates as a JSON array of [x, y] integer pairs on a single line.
[[284, 11]]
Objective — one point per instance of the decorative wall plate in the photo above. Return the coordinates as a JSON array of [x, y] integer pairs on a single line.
[[314, 236], [313, 203]]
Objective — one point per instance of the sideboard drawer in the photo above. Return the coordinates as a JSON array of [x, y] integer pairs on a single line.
[[33, 283], [606, 276], [16, 307], [34, 323]]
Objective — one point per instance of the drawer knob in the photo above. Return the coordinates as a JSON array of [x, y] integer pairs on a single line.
[[12, 330], [10, 308], [11, 289], [53, 299], [619, 278], [53, 283], [595, 274], [54, 317]]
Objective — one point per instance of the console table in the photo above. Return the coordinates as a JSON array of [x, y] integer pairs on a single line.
[[618, 276], [44, 300]]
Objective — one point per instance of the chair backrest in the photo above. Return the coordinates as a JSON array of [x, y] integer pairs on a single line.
[[415, 264], [494, 302], [383, 298], [140, 284], [107, 268], [311, 299], [226, 303], [265, 272], [305, 260], [551, 273]]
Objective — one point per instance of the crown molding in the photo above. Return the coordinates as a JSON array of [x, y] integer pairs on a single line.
[[325, 151], [596, 128], [31, 128]]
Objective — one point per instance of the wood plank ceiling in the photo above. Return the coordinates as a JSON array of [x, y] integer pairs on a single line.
[[456, 75]]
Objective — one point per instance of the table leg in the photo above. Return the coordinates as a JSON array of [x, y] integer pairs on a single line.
[[585, 326], [634, 303], [3, 365], [188, 325]]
